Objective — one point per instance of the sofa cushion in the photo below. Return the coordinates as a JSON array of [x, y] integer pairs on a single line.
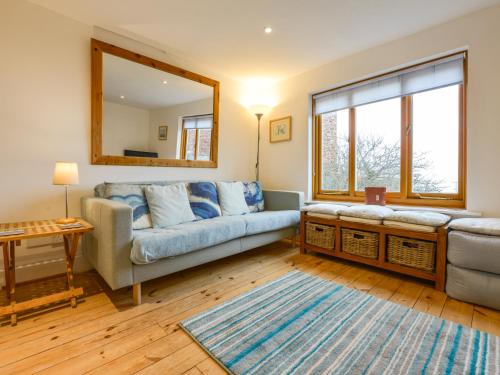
[[204, 200], [254, 196], [489, 226], [366, 212], [324, 208], [474, 251], [169, 205], [132, 195], [149, 245], [232, 198], [268, 221], [431, 219]]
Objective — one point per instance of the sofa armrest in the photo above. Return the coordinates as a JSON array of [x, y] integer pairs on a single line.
[[108, 246], [276, 200]]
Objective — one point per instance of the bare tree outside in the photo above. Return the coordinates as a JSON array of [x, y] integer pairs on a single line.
[[377, 162]]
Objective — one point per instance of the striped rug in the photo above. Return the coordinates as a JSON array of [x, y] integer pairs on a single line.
[[302, 324]]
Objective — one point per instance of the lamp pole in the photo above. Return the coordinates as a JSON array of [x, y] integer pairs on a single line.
[[258, 115]]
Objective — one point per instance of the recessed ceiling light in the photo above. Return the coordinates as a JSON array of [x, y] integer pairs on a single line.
[[122, 97], [268, 30], [165, 82]]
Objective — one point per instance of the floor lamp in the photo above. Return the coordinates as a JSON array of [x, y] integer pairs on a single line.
[[258, 111]]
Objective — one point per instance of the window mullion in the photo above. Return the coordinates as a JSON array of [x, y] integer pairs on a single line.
[[352, 151], [405, 170], [409, 147]]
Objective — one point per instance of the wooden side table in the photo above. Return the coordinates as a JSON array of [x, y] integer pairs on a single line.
[[34, 229]]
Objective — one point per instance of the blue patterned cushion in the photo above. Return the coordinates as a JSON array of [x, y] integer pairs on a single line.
[[204, 200], [254, 196], [133, 195]]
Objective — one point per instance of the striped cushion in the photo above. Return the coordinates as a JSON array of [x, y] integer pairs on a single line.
[[204, 200]]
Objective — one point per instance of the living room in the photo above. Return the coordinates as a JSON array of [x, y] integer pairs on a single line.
[[274, 153]]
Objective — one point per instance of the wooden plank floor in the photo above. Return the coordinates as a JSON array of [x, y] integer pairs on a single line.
[[107, 335]]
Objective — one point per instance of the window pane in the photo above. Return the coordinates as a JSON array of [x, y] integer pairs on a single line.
[[435, 141], [378, 145], [190, 143], [204, 137], [335, 150]]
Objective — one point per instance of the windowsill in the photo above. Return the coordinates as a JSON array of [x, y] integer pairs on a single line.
[[455, 213]]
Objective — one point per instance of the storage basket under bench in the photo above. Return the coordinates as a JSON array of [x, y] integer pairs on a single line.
[[414, 253]]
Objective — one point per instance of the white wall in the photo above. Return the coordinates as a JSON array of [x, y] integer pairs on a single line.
[[170, 116], [124, 128], [287, 164], [45, 117]]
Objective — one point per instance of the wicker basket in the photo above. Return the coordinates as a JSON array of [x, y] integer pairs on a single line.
[[320, 235], [360, 243], [412, 253]]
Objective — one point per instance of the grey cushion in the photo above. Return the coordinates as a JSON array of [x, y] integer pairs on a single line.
[[150, 245], [366, 212], [477, 287], [474, 251], [488, 226], [267, 221], [432, 219]]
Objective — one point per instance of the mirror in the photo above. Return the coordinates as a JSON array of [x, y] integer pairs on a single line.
[[147, 112]]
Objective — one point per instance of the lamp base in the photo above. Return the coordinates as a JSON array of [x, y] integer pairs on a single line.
[[66, 220]]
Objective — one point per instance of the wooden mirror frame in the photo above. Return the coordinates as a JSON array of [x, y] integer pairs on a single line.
[[97, 157]]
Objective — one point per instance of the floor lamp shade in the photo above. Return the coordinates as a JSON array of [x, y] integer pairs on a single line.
[[65, 174]]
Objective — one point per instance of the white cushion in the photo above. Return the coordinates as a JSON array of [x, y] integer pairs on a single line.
[[232, 198], [432, 219], [366, 212], [360, 220], [323, 216], [169, 205], [324, 208], [489, 226], [409, 226]]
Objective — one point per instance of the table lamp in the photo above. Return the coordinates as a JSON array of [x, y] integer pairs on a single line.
[[65, 174]]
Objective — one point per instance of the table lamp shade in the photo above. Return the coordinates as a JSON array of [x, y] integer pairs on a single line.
[[65, 174]]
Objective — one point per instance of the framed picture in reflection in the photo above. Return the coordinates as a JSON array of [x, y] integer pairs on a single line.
[[162, 133], [280, 129]]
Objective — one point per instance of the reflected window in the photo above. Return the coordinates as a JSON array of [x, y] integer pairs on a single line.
[[197, 137]]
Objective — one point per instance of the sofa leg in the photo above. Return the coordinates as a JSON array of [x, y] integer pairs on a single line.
[[136, 293]]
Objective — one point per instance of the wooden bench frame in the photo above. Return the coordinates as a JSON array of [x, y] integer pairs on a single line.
[[440, 237]]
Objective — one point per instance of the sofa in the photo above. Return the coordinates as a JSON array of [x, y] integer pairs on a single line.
[[124, 256]]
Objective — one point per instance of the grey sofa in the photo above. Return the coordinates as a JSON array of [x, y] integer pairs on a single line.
[[115, 249]]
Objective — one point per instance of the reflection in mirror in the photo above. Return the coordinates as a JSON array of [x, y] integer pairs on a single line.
[[151, 113]]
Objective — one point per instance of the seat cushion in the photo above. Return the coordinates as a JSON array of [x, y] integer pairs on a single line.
[[149, 245], [366, 212], [360, 220], [409, 226], [324, 208], [267, 221], [431, 219], [489, 226], [474, 251]]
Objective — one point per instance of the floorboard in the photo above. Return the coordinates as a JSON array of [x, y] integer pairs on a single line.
[[106, 334]]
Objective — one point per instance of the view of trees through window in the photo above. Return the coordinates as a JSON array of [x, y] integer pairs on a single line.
[[434, 158]]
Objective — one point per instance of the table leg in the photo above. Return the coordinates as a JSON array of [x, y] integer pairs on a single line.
[[6, 269], [70, 248]]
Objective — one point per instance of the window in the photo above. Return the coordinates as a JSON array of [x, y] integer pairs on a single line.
[[196, 137], [404, 130]]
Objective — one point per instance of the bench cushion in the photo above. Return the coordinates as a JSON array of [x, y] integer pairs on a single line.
[[149, 245], [267, 221], [324, 208], [432, 219], [361, 220], [366, 212], [489, 226], [409, 226], [474, 251]]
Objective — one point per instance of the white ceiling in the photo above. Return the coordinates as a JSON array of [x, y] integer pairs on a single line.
[[143, 86], [228, 35]]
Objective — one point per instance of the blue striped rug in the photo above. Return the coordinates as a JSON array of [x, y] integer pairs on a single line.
[[301, 324]]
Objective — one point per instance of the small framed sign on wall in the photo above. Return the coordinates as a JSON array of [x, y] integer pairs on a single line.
[[280, 129], [162, 133]]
